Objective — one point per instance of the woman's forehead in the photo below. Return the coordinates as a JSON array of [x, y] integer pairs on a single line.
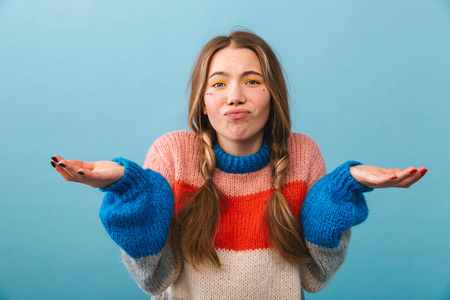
[[234, 61]]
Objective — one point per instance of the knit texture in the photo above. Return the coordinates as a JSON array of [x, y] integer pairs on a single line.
[[137, 213], [127, 215], [324, 218], [242, 164]]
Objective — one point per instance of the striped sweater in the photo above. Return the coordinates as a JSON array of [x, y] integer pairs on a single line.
[[137, 212]]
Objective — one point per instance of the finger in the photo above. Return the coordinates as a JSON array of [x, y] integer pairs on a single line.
[[422, 171], [61, 171], [69, 165], [414, 178], [65, 165], [395, 179], [409, 181], [72, 169], [57, 158], [81, 164], [408, 178], [404, 173]]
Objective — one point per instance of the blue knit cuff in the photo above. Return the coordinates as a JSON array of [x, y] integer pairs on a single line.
[[133, 178], [333, 205]]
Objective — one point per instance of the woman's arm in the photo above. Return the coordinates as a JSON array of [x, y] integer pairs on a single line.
[[137, 212], [333, 205]]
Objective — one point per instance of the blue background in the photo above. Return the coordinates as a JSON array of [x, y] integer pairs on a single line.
[[94, 80]]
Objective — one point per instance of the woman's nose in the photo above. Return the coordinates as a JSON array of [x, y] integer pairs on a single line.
[[235, 96]]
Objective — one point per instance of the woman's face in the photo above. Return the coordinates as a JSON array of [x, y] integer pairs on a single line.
[[237, 101]]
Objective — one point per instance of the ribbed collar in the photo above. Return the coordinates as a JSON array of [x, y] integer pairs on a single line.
[[242, 164]]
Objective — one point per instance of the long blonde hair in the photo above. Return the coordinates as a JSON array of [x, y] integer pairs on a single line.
[[195, 227]]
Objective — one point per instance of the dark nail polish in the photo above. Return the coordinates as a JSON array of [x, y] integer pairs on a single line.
[[413, 171], [53, 164], [423, 171], [54, 159], [394, 177], [62, 165], [81, 173]]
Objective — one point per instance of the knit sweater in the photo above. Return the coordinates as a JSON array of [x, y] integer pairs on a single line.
[[137, 212]]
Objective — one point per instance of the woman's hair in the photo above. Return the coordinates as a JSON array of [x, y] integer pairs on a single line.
[[196, 225]]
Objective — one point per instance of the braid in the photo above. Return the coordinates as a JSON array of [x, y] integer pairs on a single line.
[[195, 227], [285, 232], [208, 160], [281, 163]]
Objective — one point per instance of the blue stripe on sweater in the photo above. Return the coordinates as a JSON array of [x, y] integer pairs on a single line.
[[242, 164]]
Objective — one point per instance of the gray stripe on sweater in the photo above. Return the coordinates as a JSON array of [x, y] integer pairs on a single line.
[[155, 273], [326, 262]]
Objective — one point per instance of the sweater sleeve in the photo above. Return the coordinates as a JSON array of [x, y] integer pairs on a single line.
[[332, 206], [137, 212]]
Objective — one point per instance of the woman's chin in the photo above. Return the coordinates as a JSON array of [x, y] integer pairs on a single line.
[[243, 136]]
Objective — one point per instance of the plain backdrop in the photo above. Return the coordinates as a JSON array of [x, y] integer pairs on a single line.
[[96, 79]]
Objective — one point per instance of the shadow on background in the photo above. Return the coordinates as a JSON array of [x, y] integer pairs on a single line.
[[3, 6], [2, 295], [447, 4]]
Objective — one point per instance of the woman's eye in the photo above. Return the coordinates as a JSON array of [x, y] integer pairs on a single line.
[[252, 82], [218, 84]]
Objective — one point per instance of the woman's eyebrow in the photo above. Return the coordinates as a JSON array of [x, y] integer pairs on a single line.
[[218, 73], [251, 73], [243, 74]]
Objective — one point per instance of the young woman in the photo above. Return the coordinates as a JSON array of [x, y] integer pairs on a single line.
[[240, 208]]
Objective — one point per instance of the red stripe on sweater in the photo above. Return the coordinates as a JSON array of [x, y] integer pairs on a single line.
[[241, 226]]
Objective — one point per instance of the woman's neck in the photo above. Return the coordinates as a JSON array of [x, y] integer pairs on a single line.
[[241, 148]]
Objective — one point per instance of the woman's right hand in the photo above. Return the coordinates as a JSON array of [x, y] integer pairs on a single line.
[[98, 174]]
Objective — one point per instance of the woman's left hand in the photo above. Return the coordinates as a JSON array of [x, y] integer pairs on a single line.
[[376, 177]]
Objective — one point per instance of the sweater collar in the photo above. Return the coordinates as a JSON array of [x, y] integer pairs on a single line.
[[242, 164]]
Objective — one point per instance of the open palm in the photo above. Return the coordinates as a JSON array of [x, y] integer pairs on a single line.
[[376, 177], [96, 174]]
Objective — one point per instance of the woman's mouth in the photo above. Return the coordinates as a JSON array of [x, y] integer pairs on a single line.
[[237, 114]]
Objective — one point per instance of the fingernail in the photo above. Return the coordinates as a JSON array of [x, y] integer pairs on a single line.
[[53, 164], [413, 171], [81, 173], [54, 159], [395, 177], [62, 165], [423, 171]]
